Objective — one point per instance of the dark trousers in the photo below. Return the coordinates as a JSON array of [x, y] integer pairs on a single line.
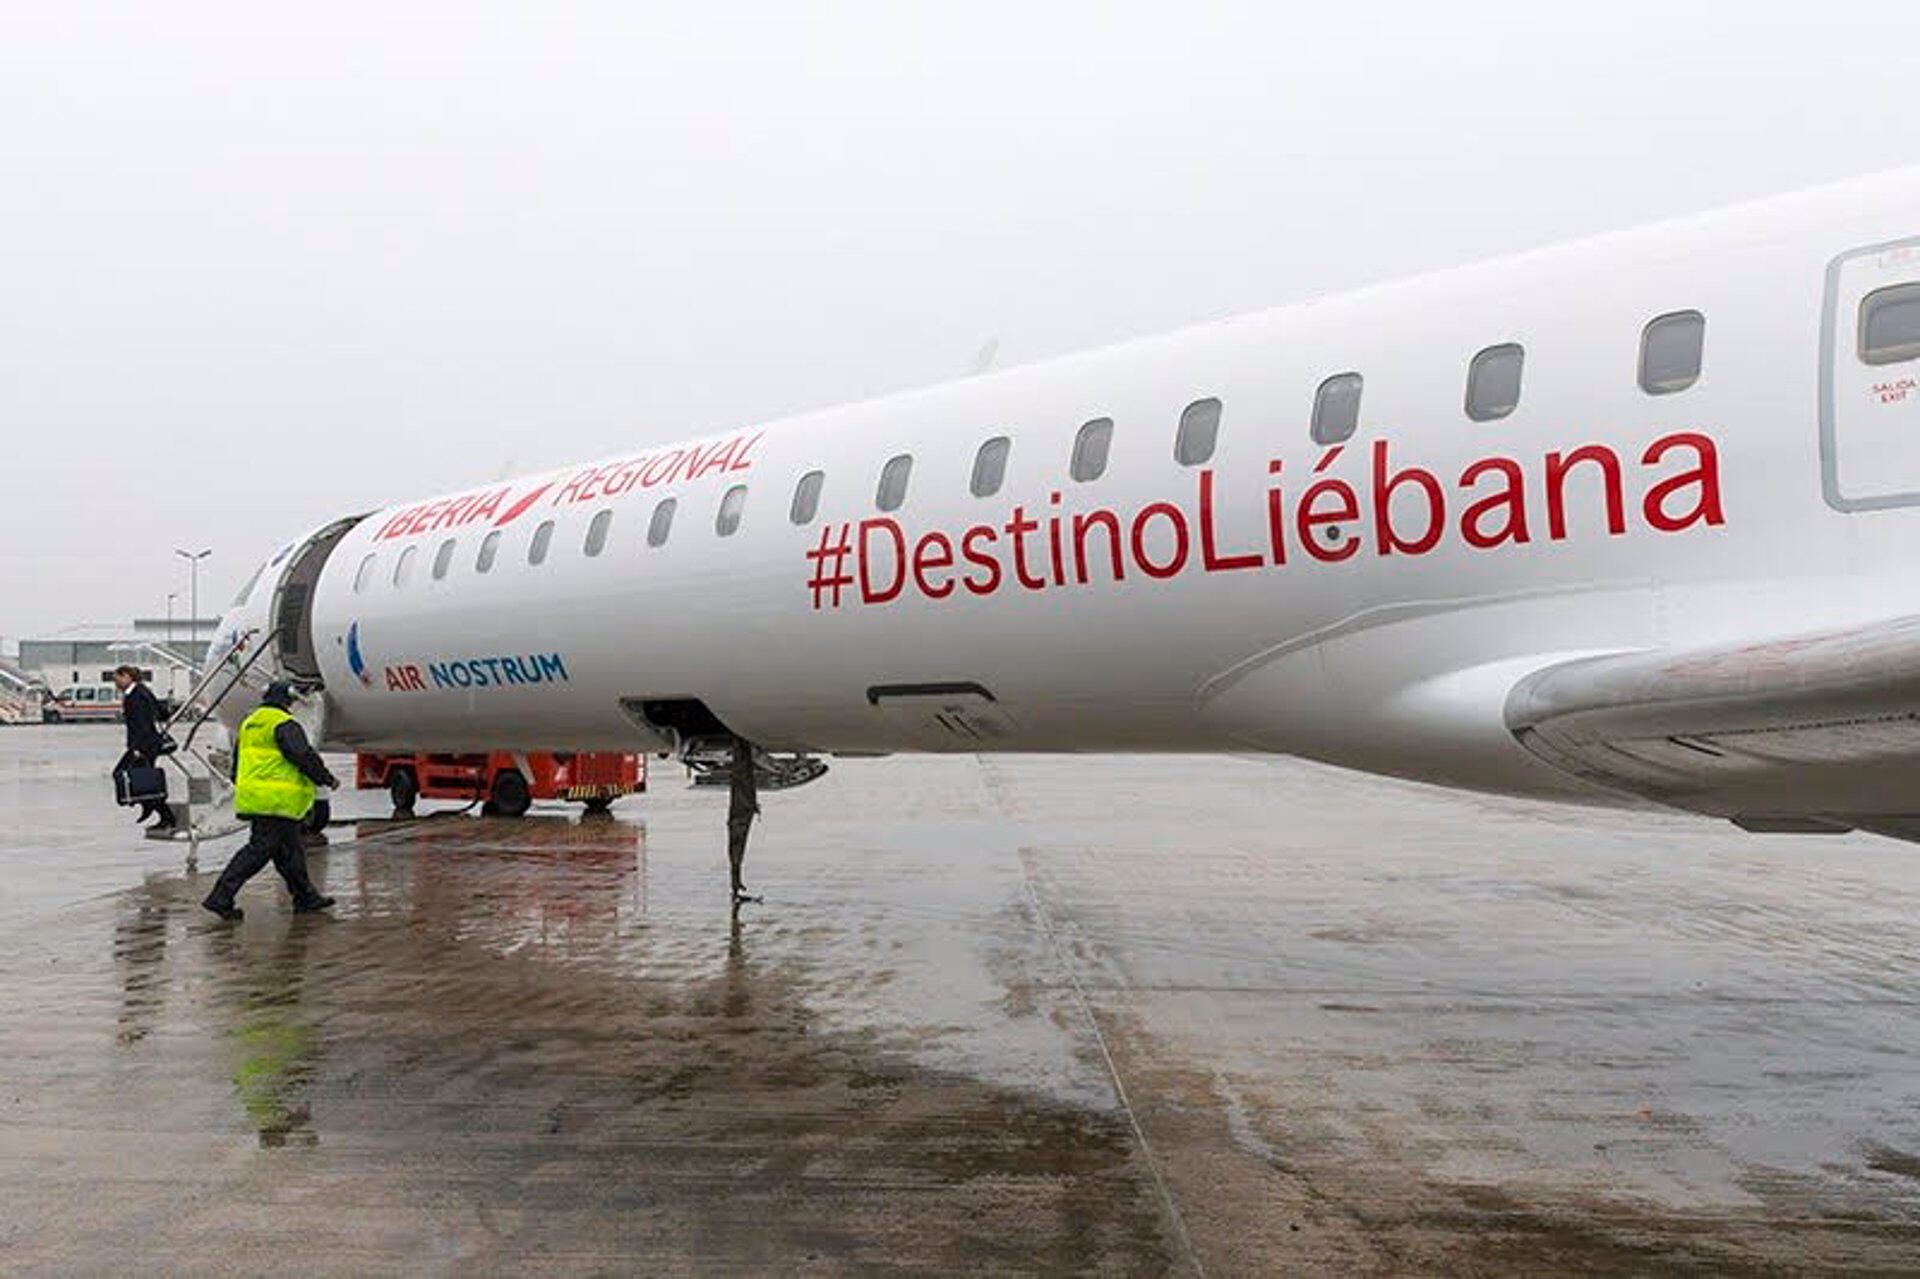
[[134, 759], [276, 840]]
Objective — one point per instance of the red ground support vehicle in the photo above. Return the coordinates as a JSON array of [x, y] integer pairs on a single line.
[[504, 782]]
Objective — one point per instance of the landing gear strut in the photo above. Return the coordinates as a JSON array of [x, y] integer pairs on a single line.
[[743, 805], [716, 756]]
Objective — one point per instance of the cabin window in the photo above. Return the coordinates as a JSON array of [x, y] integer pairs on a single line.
[[1336, 408], [727, 522], [1670, 352], [806, 497], [403, 567], [662, 522], [1199, 432], [990, 466], [1493, 382], [443, 560], [365, 575], [893, 482], [489, 548], [1890, 325], [1090, 450], [597, 532], [542, 539]]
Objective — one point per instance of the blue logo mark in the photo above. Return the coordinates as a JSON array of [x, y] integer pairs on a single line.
[[356, 663]]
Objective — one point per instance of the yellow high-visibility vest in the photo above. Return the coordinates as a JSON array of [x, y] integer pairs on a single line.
[[266, 784]]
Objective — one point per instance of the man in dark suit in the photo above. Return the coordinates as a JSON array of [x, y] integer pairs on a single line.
[[141, 709]]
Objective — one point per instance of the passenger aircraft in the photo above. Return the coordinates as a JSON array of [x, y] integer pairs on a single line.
[[1630, 520]]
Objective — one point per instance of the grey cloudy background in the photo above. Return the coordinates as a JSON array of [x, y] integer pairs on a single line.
[[258, 268]]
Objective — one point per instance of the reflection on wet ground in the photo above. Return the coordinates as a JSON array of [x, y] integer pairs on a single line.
[[1125, 1016]]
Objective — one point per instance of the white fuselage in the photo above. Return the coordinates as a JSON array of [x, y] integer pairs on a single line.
[[1369, 604]]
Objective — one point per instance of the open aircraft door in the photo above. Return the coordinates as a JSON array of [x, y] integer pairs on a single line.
[[292, 609], [1870, 378]]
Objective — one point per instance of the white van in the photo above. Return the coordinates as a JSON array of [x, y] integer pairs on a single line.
[[83, 704]]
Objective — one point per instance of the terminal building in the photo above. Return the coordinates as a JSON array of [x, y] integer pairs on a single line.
[[168, 649]]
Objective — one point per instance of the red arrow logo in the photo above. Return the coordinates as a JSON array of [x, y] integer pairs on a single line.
[[519, 508]]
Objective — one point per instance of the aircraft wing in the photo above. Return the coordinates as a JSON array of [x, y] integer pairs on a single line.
[[1815, 733]]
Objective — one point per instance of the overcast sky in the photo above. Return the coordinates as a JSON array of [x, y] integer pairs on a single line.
[[258, 268]]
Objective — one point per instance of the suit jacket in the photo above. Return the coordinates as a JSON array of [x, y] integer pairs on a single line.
[[142, 711]]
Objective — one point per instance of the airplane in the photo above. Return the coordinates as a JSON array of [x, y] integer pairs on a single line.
[[1629, 521]]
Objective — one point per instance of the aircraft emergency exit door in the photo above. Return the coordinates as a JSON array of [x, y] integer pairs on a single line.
[[1870, 378]]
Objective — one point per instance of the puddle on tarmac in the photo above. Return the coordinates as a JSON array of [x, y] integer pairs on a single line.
[[496, 1025], [1394, 1032]]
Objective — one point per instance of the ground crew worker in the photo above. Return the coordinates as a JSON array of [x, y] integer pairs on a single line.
[[743, 805], [275, 773]]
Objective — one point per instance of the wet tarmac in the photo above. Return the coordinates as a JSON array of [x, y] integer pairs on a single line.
[[1125, 1016]]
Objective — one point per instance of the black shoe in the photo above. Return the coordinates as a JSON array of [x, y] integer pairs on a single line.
[[166, 822], [307, 908], [226, 910]]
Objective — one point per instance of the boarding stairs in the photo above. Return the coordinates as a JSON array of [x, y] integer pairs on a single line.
[[20, 697], [203, 758], [157, 651]]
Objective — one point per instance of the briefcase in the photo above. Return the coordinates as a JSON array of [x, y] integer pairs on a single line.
[[139, 785]]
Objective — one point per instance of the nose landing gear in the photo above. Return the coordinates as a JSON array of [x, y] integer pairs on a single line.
[[745, 770], [743, 805]]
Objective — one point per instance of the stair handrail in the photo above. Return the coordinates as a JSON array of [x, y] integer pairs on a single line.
[[193, 698], [187, 750]]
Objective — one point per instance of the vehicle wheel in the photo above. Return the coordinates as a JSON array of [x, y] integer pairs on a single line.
[[50, 717], [403, 788], [511, 797], [600, 804]]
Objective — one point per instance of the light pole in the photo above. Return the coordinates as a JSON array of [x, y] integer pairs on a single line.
[[171, 597], [193, 559]]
